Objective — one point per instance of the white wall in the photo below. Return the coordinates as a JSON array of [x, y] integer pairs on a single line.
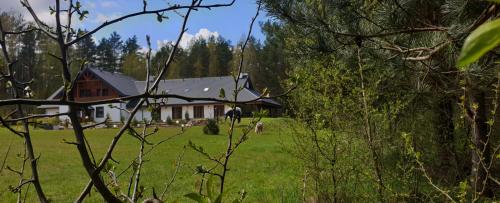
[[54, 110], [189, 110], [166, 111], [113, 113], [63, 109], [208, 111], [143, 113]]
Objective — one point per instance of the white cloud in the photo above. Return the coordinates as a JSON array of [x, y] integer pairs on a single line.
[[188, 38], [101, 18], [109, 4], [205, 34]]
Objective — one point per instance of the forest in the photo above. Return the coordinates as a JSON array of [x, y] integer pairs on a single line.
[[383, 100]]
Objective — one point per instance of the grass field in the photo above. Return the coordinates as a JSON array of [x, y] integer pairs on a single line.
[[261, 166]]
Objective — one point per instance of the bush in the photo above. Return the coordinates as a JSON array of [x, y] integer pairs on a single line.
[[54, 121], [211, 128], [169, 121], [186, 116]]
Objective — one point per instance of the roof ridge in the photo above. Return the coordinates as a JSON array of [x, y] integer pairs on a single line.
[[182, 79]]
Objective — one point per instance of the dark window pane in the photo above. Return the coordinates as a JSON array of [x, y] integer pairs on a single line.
[[177, 112], [99, 112], [198, 112], [218, 110]]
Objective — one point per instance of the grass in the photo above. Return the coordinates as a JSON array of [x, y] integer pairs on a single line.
[[260, 166]]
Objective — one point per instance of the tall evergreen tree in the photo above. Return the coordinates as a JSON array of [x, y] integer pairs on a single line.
[[178, 68], [130, 46], [272, 57], [198, 58], [85, 50], [251, 63], [26, 57], [109, 52], [220, 56]]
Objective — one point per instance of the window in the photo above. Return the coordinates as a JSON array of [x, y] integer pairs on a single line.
[[99, 112], [85, 93], [176, 112], [218, 110], [98, 92], [105, 92], [199, 112]]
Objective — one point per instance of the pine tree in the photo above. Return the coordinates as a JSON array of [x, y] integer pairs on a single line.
[[26, 57], [130, 46], [85, 50], [198, 58], [220, 56], [109, 52]]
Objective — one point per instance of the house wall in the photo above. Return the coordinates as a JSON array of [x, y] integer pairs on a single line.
[[113, 113], [143, 114], [116, 114], [88, 81], [189, 110], [166, 111], [208, 111], [63, 109], [54, 110]]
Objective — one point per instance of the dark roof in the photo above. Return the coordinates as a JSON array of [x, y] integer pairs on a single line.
[[121, 83], [205, 87]]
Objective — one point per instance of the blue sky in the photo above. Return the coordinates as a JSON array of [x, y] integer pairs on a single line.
[[229, 22]]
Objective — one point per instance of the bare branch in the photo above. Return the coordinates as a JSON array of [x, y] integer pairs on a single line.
[[144, 12], [41, 25], [36, 116]]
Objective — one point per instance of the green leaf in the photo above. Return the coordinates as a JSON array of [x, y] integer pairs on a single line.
[[52, 10], [479, 42], [159, 18], [83, 15], [495, 1]]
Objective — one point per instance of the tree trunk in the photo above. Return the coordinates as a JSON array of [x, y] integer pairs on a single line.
[[445, 138], [481, 151]]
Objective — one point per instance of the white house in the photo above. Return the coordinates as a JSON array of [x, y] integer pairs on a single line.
[[95, 84]]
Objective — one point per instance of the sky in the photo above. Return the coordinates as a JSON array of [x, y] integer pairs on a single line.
[[232, 23]]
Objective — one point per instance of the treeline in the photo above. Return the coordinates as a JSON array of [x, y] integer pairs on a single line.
[[204, 57]]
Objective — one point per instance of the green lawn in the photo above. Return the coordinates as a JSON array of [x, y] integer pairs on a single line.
[[260, 166]]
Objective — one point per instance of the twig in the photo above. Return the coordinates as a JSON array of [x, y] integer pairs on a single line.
[[177, 168], [5, 158]]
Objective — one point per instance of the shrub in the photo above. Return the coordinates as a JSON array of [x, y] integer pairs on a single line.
[[169, 121], [186, 115], [54, 121], [211, 128]]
